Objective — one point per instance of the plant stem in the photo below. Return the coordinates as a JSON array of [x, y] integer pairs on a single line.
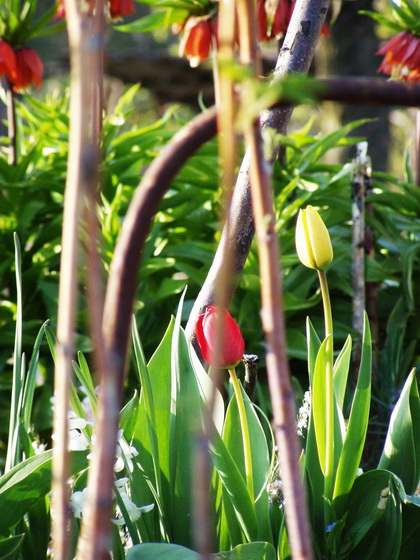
[[245, 432], [11, 123], [329, 463]]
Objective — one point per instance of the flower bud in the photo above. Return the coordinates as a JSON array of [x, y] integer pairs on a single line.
[[313, 243], [232, 344]]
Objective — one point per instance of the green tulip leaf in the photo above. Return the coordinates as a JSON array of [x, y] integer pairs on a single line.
[[248, 551], [401, 454], [25, 484], [372, 520], [319, 403], [161, 551], [358, 422], [261, 461], [341, 372], [9, 548], [235, 486]]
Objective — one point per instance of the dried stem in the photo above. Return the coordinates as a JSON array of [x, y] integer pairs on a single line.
[[81, 178], [226, 103], [272, 314]]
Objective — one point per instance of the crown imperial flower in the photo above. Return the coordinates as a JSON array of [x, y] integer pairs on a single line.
[[7, 61], [313, 243], [232, 347], [402, 57], [196, 40], [29, 69]]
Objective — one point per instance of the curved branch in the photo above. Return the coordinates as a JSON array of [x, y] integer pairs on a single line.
[[122, 282]]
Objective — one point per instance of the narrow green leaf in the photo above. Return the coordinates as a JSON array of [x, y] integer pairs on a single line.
[[319, 402], [261, 463], [314, 344], [341, 372], [30, 381], [235, 486], [358, 422]]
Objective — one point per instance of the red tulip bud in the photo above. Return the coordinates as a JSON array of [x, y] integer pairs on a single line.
[[232, 343]]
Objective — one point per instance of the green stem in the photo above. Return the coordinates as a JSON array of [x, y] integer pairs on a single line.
[[245, 432], [329, 464]]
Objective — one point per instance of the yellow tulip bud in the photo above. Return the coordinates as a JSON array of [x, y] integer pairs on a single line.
[[313, 243]]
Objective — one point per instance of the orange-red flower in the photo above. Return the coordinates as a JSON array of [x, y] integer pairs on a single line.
[[120, 8], [117, 8], [273, 19], [281, 18], [7, 61], [29, 69], [262, 21], [232, 347], [196, 40], [402, 57]]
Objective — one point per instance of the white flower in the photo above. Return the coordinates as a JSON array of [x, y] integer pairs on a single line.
[[303, 414], [77, 501], [77, 439], [134, 512], [124, 453]]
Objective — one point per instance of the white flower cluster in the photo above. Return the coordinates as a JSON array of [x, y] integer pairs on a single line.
[[303, 414], [78, 441], [134, 512]]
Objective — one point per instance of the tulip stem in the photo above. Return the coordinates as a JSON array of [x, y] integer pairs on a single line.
[[329, 464], [245, 432]]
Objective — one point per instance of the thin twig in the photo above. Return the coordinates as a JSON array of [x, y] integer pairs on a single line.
[[82, 172], [68, 289], [272, 313], [227, 106]]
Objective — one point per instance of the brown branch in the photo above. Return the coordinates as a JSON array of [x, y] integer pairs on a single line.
[[363, 91], [78, 179]]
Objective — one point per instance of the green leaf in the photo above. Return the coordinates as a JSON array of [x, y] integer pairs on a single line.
[[9, 548], [319, 402], [161, 551], [410, 531], [372, 517], [26, 483], [401, 453], [341, 372], [261, 464], [314, 344], [235, 486], [154, 21], [358, 422], [248, 551]]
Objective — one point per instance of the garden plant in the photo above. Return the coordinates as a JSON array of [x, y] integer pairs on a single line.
[[208, 325]]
